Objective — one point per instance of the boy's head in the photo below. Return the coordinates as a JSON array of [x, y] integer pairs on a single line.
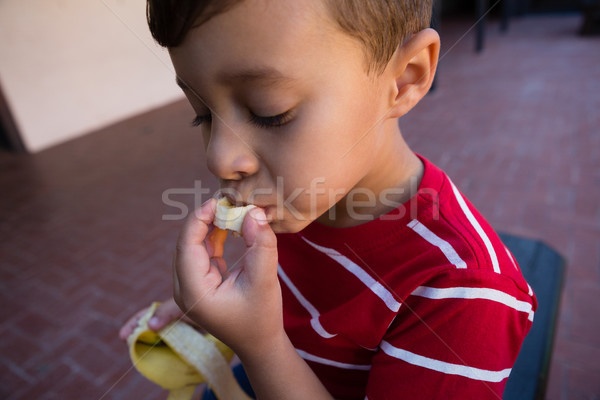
[[380, 25], [297, 101]]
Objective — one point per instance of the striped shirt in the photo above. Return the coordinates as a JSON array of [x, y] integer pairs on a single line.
[[424, 302]]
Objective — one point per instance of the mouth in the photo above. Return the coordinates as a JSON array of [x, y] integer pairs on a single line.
[[231, 199], [237, 199]]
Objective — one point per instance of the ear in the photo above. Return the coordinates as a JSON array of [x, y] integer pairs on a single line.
[[413, 67]]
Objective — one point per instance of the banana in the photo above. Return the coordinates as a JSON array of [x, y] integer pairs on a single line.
[[178, 358], [230, 217]]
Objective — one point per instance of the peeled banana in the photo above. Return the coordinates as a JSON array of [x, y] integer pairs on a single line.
[[178, 358], [230, 217]]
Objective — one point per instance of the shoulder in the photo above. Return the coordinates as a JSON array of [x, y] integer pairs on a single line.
[[445, 225], [443, 242]]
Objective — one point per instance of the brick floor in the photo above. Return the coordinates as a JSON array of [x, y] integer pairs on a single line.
[[83, 242]]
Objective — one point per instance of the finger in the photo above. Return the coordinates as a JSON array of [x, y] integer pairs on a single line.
[[130, 325], [196, 226], [193, 272], [166, 313], [195, 275], [261, 256], [176, 288]]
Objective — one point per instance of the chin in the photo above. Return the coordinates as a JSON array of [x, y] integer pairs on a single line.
[[282, 226]]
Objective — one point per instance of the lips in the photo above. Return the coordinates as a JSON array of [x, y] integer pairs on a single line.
[[237, 200], [238, 203], [233, 201]]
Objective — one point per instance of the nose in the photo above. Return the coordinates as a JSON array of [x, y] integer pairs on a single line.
[[229, 153]]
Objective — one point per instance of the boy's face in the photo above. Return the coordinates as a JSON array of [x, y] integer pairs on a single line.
[[290, 119]]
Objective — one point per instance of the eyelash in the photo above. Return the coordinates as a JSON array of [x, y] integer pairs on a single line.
[[201, 119], [274, 121]]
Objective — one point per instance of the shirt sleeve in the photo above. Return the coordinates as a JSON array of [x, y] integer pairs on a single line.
[[455, 337]]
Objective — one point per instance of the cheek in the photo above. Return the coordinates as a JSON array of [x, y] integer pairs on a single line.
[[325, 142], [327, 132], [326, 151]]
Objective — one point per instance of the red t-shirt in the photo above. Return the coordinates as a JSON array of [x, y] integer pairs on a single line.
[[424, 302]]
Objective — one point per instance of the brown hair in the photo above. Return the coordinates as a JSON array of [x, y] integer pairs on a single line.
[[380, 25]]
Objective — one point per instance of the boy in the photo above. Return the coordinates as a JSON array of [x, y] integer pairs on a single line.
[[367, 273]]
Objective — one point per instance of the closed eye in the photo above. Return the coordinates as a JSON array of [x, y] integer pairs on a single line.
[[274, 121], [201, 119]]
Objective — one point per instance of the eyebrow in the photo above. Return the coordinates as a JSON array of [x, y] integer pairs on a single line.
[[266, 75]]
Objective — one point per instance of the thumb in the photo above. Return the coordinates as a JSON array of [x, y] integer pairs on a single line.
[[261, 243], [166, 313]]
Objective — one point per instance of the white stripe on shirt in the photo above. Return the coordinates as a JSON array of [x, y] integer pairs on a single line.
[[437, 241], [352, 267], [478, 228], [445, 367], [511, 257], [332, 363], [314, 313], [475, 293]]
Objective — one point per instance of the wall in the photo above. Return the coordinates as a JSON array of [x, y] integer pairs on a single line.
[[68, 67]]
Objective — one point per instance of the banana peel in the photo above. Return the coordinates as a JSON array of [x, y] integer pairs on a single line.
[[178, 358]]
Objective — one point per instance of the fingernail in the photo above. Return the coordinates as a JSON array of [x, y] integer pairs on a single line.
[[153, 321], [259, 216], [202, 212], [208, 201]]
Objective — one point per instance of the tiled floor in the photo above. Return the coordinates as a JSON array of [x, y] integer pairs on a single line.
[[83, 241]]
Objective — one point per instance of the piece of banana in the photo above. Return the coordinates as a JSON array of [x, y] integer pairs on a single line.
[[230, 217], [178, 358]]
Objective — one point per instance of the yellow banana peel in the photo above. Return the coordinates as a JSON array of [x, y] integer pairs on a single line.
[[178, 358]]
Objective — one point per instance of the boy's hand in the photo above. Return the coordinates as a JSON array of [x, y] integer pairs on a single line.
[[242, 306], [166, 313]]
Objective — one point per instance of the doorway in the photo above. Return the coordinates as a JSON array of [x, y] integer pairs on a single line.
[[10, 138]]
